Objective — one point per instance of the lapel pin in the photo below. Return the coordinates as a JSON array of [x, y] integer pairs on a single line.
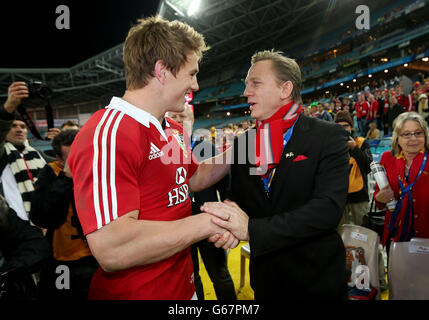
[[289, 155]]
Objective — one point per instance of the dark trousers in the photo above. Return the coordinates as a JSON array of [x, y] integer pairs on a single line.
[[380, 124], [363, 126], [215, 261]]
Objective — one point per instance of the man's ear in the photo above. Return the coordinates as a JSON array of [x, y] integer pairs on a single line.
[[287, 88], [160, 71]]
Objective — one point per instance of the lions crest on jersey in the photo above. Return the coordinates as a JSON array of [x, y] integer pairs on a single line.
[[180, 140]]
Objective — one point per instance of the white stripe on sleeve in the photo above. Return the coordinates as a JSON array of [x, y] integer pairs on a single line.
[[95, 183], [113, 166], [104, 168]]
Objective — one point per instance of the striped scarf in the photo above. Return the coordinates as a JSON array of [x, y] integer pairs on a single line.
[[269, 136], [25, 169]]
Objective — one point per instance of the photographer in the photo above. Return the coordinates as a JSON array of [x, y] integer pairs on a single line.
[[357, 204], [53, 208], [19, 162]]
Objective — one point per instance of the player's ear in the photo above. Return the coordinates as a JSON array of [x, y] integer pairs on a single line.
[[160, 71]]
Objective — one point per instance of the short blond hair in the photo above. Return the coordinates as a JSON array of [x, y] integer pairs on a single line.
[[398, 123], [154, 39], [285, 69]]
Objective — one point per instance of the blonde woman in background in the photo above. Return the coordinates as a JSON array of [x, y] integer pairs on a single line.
[[407, 170]]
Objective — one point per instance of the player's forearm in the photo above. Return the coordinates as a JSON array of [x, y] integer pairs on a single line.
[[130, 242]]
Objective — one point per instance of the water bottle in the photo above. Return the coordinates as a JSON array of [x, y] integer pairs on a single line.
[[381, 177]]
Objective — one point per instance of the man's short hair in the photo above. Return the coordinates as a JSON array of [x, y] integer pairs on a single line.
[[64, 138], [69, 123], [343, 116], [286, 69], [154, 39]]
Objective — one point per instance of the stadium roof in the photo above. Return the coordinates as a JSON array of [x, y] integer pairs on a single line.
[[234, 29]]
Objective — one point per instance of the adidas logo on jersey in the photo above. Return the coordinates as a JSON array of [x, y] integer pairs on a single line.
[[155, 152]]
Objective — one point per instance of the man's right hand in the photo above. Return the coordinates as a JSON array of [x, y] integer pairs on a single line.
[[52, 133], [351, 143], [16, 92]]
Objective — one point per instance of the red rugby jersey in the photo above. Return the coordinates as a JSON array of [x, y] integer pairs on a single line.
[[373, 110], [361, 109], [122, 160]]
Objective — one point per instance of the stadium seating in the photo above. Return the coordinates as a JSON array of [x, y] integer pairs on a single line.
[[245, 254], [408, 270], [367, 239]]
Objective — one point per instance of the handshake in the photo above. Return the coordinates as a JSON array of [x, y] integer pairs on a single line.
[[229, 221]]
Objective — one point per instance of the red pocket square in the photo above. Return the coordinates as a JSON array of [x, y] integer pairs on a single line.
[[299, 158]]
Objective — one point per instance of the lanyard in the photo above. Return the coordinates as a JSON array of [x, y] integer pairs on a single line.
[[267, 181], [410, 187], [410, 211], [193, 142]]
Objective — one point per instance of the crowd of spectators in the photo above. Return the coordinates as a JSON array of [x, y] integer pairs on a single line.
[[223, 136], [380, 103]]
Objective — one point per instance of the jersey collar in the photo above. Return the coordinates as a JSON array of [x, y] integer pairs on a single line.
[[141, 116]]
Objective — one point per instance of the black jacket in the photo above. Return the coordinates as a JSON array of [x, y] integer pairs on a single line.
[[296, 251], [51, 200], [393, 112], [21, 244], [204, 150]]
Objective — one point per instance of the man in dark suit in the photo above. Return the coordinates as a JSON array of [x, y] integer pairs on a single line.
[[288, 190]]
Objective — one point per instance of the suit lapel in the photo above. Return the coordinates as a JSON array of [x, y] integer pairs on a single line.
[[292, 149]]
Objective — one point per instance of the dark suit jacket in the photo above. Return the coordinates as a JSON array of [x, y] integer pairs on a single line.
[[296, 251], [204, 150]]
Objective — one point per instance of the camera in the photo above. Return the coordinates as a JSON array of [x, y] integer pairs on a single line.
[[38, 89]]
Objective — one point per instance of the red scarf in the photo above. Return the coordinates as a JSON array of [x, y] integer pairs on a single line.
[[400, 172], [270, 133]]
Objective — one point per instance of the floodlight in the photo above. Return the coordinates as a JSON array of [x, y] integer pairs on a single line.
[[193, 7]]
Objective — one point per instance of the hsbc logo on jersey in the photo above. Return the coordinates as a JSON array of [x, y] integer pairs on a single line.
[[180, 175], [155, 152], [180, 194]]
